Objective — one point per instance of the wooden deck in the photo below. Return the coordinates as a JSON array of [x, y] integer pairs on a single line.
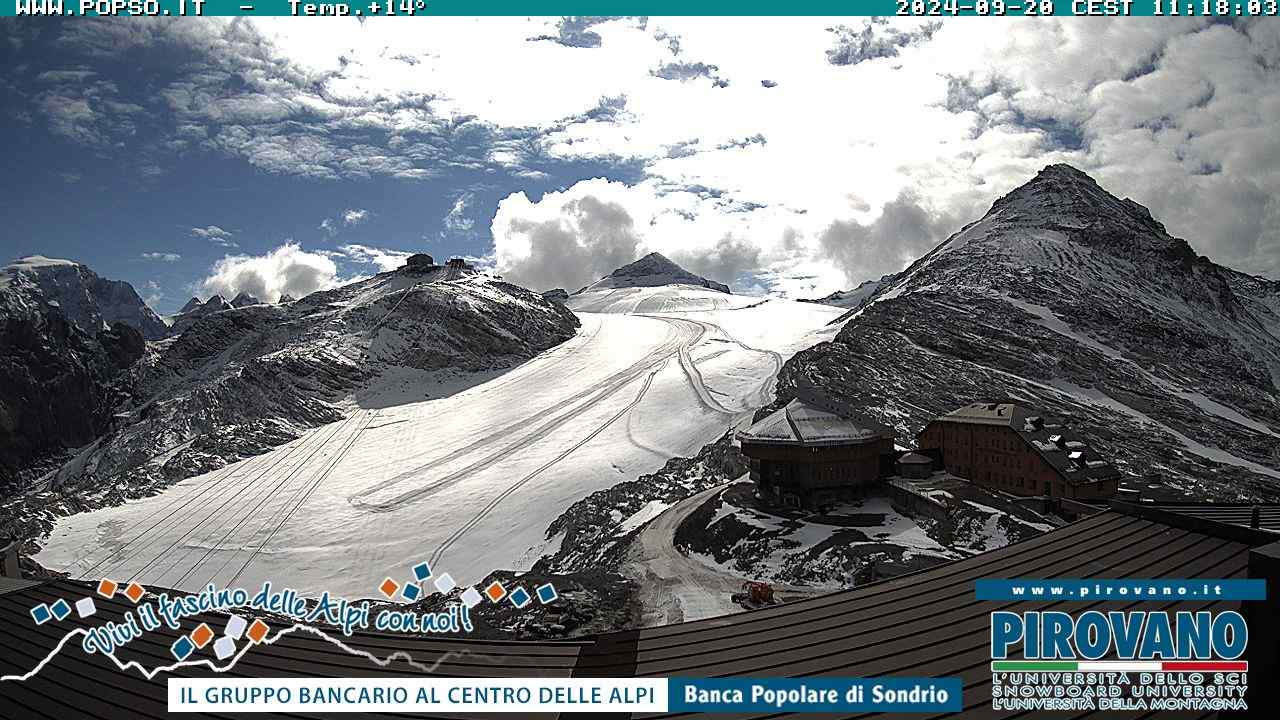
[[924, 624]]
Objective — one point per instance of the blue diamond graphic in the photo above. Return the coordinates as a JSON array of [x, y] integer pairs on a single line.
[[421, 571], [40, 614], [60, 609], [520, 597], [411, 592], [547, 593], [182, 648]]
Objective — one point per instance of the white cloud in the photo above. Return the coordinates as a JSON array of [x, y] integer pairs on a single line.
[[286, 270], [457, 221], [215, 235], [571, 238], [155, 296], [162, 256], [1181, 115], [385, 259], [347, 218]]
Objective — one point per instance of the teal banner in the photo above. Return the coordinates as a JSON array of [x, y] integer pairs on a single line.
[[428, 8]]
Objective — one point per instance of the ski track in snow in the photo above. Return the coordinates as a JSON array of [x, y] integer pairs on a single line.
[[470, 480]]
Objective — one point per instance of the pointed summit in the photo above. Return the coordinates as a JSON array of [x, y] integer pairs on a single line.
[[244, 299], [653, 270], [1063, 195], [192, 304]]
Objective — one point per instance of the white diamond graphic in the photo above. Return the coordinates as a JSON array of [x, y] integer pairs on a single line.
[[235, 627], [445, 583], [85, 607]]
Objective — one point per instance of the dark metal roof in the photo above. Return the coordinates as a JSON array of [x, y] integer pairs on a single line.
[[1061, 447], [800, 423], [923, 624], [1240, 515]]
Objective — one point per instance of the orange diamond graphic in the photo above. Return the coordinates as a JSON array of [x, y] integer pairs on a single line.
[[257, 631], [389, 588], [134, 591], [201, 635], [495, 591], [107, 588]]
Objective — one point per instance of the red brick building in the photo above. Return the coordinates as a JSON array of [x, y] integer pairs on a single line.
[[1012, 449]]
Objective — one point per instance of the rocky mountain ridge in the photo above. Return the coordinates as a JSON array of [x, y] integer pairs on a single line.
[[238, 381], [91, 302], [1071, 300]]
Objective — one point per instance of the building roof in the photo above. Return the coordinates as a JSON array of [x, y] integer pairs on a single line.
[[923, 624], [802, 423], [1232, 514], [1065, 450]]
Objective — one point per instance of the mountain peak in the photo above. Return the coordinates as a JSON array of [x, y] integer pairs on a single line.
[[653, 270], [1064, 196], [244, 299], [89, 301]]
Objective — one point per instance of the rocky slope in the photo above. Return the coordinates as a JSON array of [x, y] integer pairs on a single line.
[[855, 298], [652, 270], [90, 302], [240, 380], [67, 337], [1077, 302], [58, 385]]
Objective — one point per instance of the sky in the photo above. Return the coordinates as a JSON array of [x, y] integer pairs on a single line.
[[793, 156]]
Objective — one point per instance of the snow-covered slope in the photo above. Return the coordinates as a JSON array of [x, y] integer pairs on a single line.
[[853, 299], [239, 380], [653, 270], [1068, 298], [91, 302], [466, 471]]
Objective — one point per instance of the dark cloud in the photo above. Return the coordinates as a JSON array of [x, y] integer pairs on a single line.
[[966, 94], [686, 71], [590, 239], [904, 231], [876, 39], [727, 261], [575, 32]]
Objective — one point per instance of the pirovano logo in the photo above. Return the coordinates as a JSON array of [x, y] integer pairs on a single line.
[[1122, 660]]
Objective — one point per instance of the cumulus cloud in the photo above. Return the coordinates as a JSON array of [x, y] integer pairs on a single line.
[[904, 231], [726, 261], [354, 216], [586, 240], [162, 256], [1181, 116], [572, 238], [286, 270]]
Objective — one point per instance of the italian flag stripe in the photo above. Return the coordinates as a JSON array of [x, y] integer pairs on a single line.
[[1118, 666]]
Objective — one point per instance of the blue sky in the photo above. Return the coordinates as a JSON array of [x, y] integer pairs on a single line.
[[107, 191], [793, 156]]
